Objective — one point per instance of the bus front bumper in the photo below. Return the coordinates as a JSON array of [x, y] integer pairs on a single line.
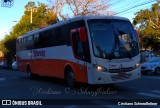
[[109, 78]]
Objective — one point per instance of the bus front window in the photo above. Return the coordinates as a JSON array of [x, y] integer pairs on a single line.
[[113, 39]]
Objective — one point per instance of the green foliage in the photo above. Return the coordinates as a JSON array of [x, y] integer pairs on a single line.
[[147, 23], [43, 17]]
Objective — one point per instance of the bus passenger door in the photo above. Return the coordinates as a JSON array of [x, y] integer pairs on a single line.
[[78, 40]]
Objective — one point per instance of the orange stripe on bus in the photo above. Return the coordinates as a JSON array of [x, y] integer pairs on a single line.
[[54, 68]]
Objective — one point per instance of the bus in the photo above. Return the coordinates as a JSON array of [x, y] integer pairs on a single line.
[[87, 49]]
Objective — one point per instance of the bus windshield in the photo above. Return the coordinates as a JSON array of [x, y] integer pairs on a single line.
[[113, 39]]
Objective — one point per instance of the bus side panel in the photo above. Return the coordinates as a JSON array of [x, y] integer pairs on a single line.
[[81, 72], [21, 64], [79, 69], [54, 68]]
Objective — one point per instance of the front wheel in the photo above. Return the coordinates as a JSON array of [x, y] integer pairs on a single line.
[[69, 77]]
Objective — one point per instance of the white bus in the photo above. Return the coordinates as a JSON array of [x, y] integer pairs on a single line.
[[88, 49]]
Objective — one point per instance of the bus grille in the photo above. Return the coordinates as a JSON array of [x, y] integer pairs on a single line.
[[121, 77], [121, 70]]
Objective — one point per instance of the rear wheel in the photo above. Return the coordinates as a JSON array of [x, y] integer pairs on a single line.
[[30, 74], [70, 78]]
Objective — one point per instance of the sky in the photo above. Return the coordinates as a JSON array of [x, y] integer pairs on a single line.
[[8, 16], [130, 7]]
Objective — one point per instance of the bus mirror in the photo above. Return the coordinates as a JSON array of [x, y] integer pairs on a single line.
[[83, 36]]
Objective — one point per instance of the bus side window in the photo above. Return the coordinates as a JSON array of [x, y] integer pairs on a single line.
[[77, 45], [36, 40]]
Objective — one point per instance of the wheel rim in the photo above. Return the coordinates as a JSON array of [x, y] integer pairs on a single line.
[[29, 73], [70, 78]]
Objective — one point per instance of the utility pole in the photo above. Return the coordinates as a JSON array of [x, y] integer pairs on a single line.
[[31, 10]]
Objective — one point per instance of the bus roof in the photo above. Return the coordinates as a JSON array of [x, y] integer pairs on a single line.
[[88, 17]]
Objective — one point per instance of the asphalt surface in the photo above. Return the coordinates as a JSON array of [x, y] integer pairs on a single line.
[[15, 85]]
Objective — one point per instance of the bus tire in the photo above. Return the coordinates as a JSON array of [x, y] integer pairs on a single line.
[[69, 77], [30, 74]]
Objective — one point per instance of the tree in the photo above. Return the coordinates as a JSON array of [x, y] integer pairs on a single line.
[[43, 17], [147, 23], [70, 8]]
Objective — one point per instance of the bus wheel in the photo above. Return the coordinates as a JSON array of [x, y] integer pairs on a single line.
[[29, 73], [69, 77]]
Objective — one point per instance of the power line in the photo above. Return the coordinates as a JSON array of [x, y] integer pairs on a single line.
[[134, 9], [124, 5], [117, 2], [135, 6]]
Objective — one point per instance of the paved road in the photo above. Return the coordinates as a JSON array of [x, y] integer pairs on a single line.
[[16, 85]]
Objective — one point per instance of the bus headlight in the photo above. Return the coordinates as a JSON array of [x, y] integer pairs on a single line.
[[100, 68]]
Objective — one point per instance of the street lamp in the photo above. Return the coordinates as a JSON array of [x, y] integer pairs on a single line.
[[31, 10]]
